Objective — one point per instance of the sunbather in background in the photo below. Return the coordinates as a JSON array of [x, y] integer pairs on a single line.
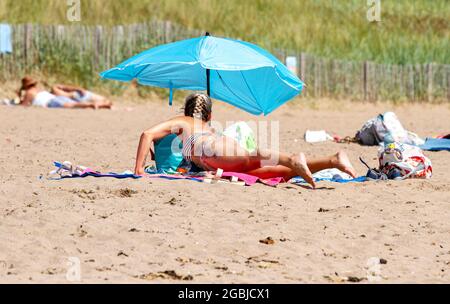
[[32, 93], [81, 95], [211, 151]]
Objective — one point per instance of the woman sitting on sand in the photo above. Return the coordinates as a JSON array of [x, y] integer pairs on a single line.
[[211, 151], [32, 94]]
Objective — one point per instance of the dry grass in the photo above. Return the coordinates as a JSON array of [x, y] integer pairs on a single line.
[[410, 31]]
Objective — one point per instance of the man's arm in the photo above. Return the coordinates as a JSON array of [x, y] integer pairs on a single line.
[[26, 100], [69, 88]]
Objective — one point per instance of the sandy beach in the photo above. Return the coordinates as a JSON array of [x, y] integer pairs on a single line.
[[148, 231]]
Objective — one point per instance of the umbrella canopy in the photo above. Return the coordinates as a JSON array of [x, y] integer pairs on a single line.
[[239, 73]]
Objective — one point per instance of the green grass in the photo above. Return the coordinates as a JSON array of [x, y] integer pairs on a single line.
[[411, 31]]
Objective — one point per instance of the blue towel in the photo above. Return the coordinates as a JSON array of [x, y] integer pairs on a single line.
[[123, 175], [168, 161], [436, 144], [5, 38], [361, 179], [331, 175]]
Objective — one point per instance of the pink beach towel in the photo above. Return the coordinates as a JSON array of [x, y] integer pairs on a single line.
[[251, 179]]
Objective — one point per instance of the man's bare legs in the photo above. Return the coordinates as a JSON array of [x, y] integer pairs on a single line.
[[102, 105], [100, 101], [95, 102], [86, 105], [79, 105]]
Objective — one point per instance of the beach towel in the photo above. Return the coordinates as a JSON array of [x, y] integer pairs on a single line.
[[330, 175], [250, 179], [5, 38], [66, 170], [436, 144], [213, 177]]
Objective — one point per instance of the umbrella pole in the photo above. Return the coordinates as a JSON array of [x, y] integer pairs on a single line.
[[208, 84], [208, 76]]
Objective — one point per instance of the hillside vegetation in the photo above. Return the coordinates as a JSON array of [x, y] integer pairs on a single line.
[[409, 32]]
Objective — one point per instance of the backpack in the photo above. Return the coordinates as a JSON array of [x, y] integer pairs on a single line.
[[385, 128], [401, 161]]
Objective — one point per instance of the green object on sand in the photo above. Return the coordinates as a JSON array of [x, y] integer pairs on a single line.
[[243, 134]]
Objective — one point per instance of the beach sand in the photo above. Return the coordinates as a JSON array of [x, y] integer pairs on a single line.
[[144, 231]]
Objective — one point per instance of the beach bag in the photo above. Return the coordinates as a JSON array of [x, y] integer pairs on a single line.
[[401, 161], [371, 133], [386, 128], [243, 134], [168, 154]]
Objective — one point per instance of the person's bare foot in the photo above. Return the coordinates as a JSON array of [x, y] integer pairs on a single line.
[[107, 104], [301, 168], [104, 105], [342, 162]]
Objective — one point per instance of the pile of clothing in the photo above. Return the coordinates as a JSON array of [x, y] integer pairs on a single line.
[[400, 153]]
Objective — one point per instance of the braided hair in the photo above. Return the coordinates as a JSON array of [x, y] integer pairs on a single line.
[[198, 106]]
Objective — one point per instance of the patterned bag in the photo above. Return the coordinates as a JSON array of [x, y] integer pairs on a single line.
[[401, 161]]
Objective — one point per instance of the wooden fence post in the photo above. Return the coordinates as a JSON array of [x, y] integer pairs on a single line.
[[411, 82], [26, 45], [400, 84], [430, 82], [302, 67], [365, 80], [168, 31], [97, 44], [316, 76]]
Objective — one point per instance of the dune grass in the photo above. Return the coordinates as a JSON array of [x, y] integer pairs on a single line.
[[409, 32]]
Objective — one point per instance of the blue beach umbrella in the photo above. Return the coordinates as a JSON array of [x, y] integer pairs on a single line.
[[236, 72]]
